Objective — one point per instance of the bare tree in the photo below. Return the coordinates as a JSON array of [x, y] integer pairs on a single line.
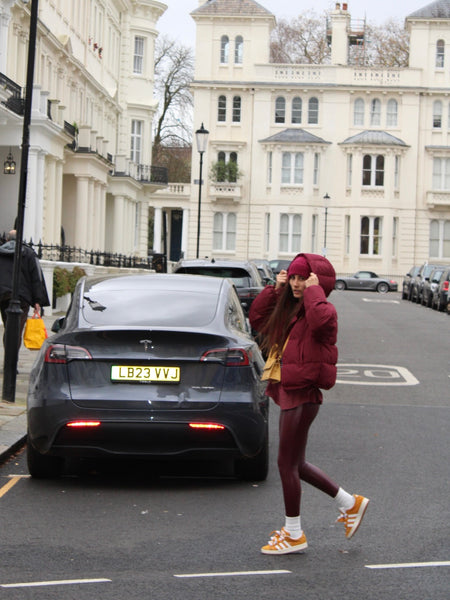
[[174, 71], [387, 45], [303, 40]]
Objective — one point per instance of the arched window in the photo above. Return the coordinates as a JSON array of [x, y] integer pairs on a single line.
[[224, 48], [222, 109], [296, 115], [236, 109], [238, 49], [280, 110], [375, 112], [313, 111], [391, 113], [440, 54], [358, 112], [437, 114]]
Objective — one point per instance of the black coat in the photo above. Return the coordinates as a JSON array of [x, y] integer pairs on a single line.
[[32, 288]]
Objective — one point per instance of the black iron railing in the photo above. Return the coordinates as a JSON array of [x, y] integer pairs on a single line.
[[70, 254]]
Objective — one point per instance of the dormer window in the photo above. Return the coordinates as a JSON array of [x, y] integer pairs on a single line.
[[440, 54], [224, 49], [238, 49]]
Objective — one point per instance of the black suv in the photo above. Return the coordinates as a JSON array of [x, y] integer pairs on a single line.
[[407, 281], [440, 298], [244, 275], [422, 275]]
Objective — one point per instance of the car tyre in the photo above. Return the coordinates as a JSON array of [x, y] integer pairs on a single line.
[[340, 285], [382, 288], [43, 466], [255, 468]]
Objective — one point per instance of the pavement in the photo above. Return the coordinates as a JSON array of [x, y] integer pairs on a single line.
[[13, 415]]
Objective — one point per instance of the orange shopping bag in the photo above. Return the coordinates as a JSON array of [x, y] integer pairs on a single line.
[[35, 332]]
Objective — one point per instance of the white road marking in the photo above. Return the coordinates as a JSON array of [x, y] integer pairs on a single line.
[[233, 574], [48, 583], [364, 374], [381, 301], [444, 563]]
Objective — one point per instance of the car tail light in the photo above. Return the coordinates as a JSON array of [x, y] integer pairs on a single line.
[[231, 357], [207, 426], [61, 353], [445, 286], [83, 424]]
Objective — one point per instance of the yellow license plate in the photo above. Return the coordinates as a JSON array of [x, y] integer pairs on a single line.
[[150, 374]]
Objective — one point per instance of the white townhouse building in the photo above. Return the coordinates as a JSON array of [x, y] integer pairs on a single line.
[[90, 178], [338, 158]]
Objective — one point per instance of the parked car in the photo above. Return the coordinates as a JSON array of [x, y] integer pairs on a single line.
[[406, 286], [440, 297], [244, 274], [263, 266], [368, 281], [153, 366], [278, 265], [417, 283], [430, 285]]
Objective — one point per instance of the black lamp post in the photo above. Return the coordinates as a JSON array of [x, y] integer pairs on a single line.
[[12, 330], [327, 199], [202, 141]]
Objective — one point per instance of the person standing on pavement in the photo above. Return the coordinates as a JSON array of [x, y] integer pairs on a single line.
[[295, 316], [32, 290]]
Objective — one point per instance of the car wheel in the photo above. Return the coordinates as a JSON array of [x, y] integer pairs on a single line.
[[255, 468], [439, 305], [340, 285], [43, 466], [382, 288]]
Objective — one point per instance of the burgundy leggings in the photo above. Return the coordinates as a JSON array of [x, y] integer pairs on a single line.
[[294, 427]]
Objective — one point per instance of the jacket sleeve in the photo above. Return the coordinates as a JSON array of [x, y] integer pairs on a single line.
[[262, 307], [320, 314]]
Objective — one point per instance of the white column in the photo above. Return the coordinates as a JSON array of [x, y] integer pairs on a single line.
[[30, 198], [50, 199], [185, 232], [81, 213], [157, 229], [90, 217], [119, 204], [102, 218], [5, 18], [56, 234]]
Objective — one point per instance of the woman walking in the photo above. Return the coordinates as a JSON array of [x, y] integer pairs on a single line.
[[297, 323]]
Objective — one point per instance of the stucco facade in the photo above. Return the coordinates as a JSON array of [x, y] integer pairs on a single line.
[[375, 141], [90, 178]]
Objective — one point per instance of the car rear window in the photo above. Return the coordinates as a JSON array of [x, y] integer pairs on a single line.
[[240, 277], [135, 308]]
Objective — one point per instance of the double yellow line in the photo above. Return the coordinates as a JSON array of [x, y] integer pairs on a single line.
[[11, 483]]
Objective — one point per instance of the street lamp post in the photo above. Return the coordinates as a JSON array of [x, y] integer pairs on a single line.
[[202, 140], [326, 202], [12, 330]]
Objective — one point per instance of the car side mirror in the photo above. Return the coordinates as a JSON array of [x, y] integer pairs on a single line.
[[58, 324]]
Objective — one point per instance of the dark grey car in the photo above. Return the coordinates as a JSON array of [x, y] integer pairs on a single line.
[[153, 366], [244, 275], [367, 281]]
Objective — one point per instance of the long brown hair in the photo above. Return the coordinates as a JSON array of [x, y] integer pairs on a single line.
[[275, 331]]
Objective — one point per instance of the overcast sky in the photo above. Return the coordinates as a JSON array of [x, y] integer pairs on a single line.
[[177, 22]]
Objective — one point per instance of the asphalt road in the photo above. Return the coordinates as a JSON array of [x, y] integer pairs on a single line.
[[382, 432]]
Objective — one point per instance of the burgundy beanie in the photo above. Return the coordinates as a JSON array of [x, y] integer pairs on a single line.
[[299, 266]]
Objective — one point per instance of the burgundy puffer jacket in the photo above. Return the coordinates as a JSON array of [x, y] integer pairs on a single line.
[[310, 357]]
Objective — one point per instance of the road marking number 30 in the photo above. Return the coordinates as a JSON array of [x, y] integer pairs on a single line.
[[356, 374]]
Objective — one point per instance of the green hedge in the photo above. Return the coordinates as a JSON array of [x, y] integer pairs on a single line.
[[64, 281]]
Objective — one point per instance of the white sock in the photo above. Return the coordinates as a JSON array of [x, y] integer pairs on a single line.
[[344, 500], [293, 527]]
